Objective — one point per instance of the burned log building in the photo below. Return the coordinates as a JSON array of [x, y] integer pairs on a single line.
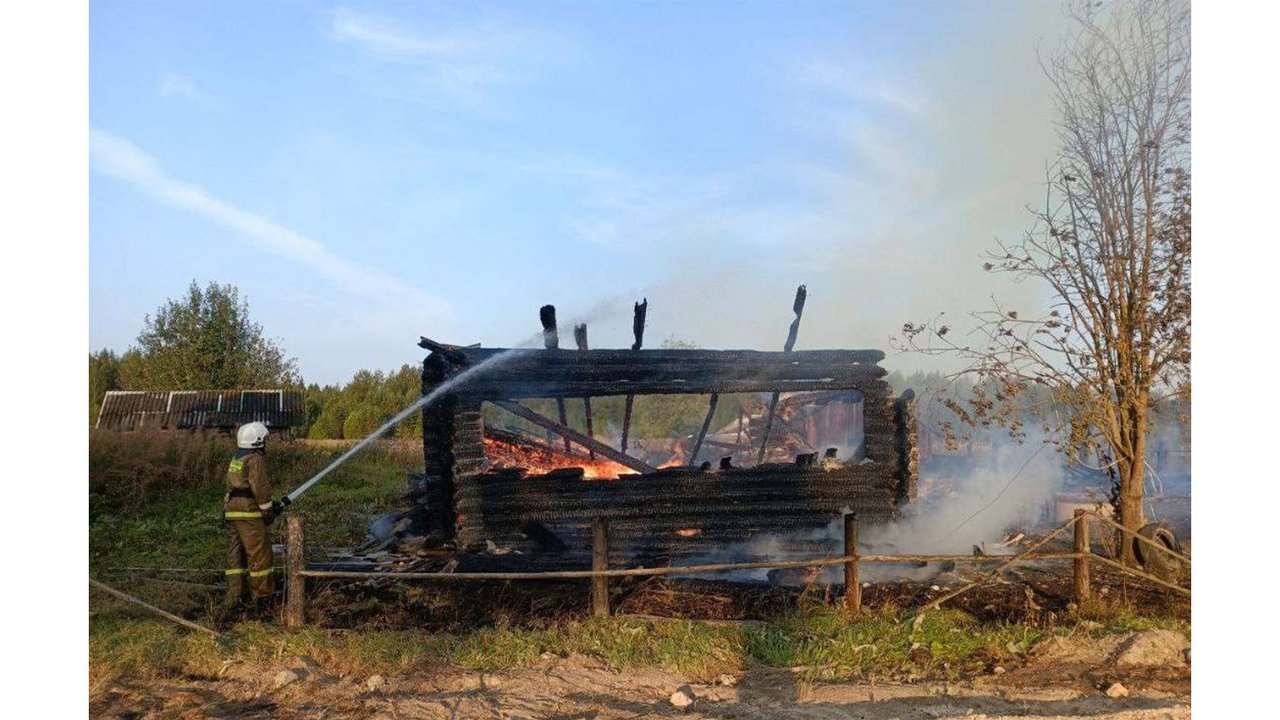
[[669, 511]]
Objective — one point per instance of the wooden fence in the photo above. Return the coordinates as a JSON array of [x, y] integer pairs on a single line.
[[1082, 558]]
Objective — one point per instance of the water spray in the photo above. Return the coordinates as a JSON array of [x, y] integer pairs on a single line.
[[421, 402]]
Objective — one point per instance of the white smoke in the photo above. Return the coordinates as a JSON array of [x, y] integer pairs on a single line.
[[964, 502]]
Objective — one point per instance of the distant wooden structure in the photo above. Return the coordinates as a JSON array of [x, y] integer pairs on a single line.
[[202, 410]]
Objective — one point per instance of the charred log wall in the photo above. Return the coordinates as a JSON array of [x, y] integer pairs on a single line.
[[671, 511], [906, 454], [678, 511], [436, 491]]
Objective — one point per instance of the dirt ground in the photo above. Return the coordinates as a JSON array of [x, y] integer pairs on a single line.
[[1064, 678]]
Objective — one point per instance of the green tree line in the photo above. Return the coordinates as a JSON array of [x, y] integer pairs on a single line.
[[205, 340]]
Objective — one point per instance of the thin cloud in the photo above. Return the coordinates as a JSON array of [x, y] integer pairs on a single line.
[[392, 42], [118, 158], [463, 62], [176, 85], [864, 82]]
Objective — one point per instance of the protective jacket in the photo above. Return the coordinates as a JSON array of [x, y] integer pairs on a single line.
[[248, 489], [247, 510]]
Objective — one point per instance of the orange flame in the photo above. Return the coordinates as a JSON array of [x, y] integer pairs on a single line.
[[539, 459]]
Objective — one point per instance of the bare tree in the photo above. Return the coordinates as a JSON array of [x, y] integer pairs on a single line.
[[1112, 244]]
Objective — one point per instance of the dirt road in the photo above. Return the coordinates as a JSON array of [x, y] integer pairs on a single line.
[[582, 689]]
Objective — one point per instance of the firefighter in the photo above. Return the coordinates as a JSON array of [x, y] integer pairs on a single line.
[[248, 510]]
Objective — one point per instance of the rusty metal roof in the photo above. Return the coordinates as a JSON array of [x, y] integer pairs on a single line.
[[190, 409]]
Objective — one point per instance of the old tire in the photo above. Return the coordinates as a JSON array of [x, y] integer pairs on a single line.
[[1158, 563]]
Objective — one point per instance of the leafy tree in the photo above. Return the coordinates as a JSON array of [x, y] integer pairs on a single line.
[[324, 416], [362, 421], [104, 375], [1112, 245], [328, 424], [404, 387], [206, 341]]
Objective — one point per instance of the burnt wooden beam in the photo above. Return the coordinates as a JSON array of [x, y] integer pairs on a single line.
[[569, 433], [637, 323], [580, 339], [608, 357], [798, 308], [589, 373], [701, 373], [637, 329], [551, 341], [503, 388], [550, 333], [450, 352], [706, 424]]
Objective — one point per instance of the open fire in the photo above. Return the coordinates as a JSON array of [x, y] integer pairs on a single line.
[[535, 459]]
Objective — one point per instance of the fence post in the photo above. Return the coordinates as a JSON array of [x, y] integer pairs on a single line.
[[1081, 564], [852, 587], [600, 561], [295, 591]]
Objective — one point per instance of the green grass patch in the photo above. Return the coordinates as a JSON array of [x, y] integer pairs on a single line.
[[156, 499], [1105, 616], [887, 643], [883, 645]]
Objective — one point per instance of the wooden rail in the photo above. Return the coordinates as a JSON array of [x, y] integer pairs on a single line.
[[599, 574], [1082, 558]]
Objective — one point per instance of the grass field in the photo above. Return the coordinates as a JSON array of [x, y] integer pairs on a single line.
[[155, 500]]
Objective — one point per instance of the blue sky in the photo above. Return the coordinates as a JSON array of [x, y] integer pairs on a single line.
[[366, 173]]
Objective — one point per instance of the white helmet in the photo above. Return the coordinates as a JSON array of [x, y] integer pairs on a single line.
[[252, 435]]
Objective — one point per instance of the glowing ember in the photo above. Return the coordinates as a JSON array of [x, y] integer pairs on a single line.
[[539, 459]]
